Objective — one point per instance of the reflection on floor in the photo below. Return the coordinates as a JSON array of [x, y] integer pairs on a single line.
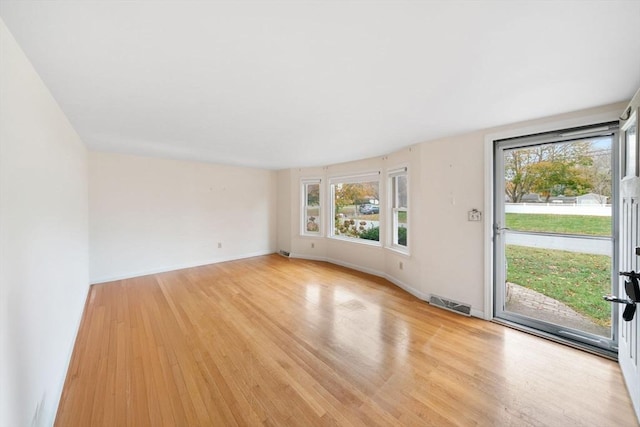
[[278, 341]]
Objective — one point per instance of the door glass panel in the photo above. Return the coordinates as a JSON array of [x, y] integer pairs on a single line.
[[555, 233], [631, 151]]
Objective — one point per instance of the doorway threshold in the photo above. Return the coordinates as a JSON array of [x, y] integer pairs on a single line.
[[598, 351]]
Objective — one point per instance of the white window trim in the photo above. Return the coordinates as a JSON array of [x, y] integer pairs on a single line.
[[402, 170], [352, 178], [303, 207], [392, 245]]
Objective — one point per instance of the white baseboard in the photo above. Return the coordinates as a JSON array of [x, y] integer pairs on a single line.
[[308, 257], [69, 355], [399, 283], [413, 291], [355, 267], [477, 313], [139, 273]]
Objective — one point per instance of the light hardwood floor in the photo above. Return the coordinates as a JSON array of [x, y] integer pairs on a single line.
[[275, 341]]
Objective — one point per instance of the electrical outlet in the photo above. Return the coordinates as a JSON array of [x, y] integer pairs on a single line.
[[313, 245], [475, 215], [219, 245], [400, 265]]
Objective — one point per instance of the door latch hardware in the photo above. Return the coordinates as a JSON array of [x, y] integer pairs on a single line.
[[632, 288]]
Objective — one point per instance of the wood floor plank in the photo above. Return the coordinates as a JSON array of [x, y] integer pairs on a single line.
[[275, 341]]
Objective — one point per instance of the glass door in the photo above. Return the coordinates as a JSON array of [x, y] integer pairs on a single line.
[[554, 250]]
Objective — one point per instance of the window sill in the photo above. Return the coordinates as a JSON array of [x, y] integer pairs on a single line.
[[357, 241], [311, 236]]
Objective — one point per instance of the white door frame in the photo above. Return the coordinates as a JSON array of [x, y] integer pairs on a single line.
[[629, 189], [611, 113]]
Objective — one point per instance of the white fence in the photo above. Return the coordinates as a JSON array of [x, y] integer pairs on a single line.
[[558, 209]]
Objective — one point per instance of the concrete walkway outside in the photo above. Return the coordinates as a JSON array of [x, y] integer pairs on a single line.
[[596, 245], [530, 303]]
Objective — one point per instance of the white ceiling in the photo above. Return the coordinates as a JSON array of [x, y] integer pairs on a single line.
[[280, 84]]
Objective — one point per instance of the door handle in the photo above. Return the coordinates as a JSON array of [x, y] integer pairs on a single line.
[[632, 288], [499, 229], [631, 274], [629, 309]]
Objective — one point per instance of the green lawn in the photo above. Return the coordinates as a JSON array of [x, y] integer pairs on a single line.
[[578, 280], [568, 224]]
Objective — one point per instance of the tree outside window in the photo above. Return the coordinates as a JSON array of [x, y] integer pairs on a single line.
[[356, 208], [559, 169]]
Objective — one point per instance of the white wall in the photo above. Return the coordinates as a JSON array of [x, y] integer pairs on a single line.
[[44, 241], [284, 209], [149, 215], [452, 185], [447, 179]]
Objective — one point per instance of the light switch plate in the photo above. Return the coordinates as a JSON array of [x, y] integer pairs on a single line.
[[475, 215]]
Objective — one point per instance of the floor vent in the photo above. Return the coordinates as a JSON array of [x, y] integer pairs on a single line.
[[447, 304], [284, 253]]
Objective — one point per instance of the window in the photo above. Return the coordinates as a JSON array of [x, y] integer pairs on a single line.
[[311, 219], [631, 158], [356, 207], [399, 202]]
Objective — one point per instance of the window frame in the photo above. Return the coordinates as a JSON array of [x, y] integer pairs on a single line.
[[354, 178], [394, 209], [304, 184]]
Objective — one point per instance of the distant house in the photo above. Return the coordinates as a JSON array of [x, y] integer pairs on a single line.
[[531, 198], [562, 199], [592, 199]]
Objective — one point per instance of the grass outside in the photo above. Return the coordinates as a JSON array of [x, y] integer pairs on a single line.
[[567, 224], [577, 280]]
